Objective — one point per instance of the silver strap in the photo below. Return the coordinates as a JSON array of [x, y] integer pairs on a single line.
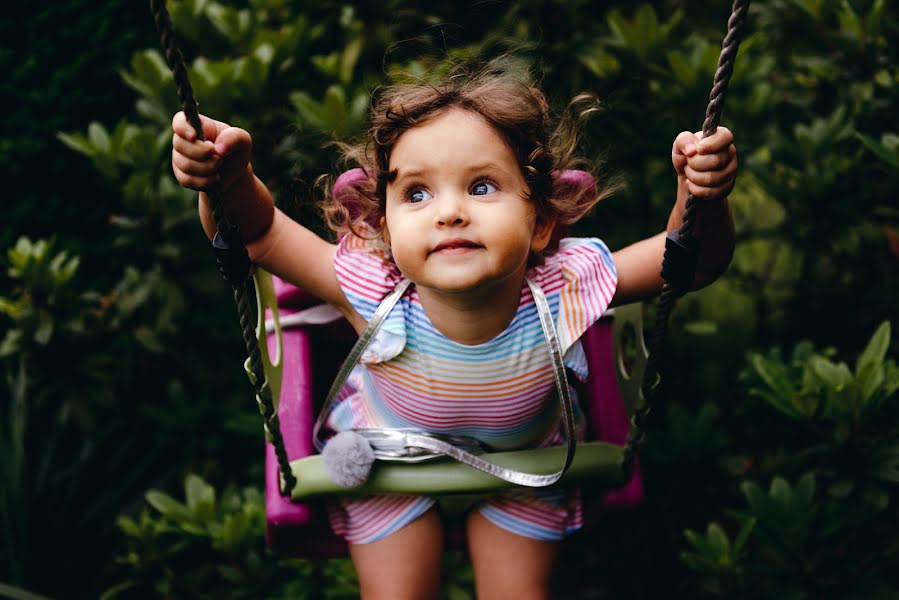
[[413, 446]]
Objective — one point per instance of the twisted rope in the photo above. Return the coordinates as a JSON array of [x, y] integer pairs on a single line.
[[242, 290], [656, 343]]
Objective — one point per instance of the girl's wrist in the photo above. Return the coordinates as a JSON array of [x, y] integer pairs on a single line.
[[247, 204]]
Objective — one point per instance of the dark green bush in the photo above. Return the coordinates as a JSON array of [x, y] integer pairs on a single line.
[[122, 357]]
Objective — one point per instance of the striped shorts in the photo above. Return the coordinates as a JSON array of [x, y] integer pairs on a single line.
[[540, 514]]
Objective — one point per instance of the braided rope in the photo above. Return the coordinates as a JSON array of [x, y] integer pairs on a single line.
[[242, 291], [656, 343]]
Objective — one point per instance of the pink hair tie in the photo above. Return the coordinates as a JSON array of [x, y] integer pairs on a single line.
[[345, 182], [576, 183]]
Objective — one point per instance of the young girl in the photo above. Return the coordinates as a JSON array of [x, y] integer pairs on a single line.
[[462, 192]]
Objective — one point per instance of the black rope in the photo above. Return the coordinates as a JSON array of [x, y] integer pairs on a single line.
[[229, 248], [678, 263], [680, 248]]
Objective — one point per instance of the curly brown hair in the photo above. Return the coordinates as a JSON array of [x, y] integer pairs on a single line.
[[508, 100]]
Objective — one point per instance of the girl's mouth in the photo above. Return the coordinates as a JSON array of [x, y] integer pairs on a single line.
[[455, 246]]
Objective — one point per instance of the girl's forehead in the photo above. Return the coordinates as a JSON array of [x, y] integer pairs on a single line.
[[457, 135]]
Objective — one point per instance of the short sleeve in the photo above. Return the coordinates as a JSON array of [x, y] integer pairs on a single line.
[[579, 281], [367, 274]]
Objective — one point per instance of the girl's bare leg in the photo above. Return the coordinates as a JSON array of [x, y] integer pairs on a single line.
[[404, 565], [507, 565]]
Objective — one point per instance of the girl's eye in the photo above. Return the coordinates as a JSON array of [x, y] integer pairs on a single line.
[[482, 188], [417, 195]]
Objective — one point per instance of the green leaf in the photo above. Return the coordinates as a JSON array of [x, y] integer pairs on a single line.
[[76, 142], [599, 61], [842, 487], [876, 350], [743, 535], [804, 494], [701, 327], [835, 376], [99, 137], [17, 593], [44, 330], [774, 375], [780, 492], [718, 542], [682, 70], [697, 541], [200, 496], [169, 507], [335, 107], [149, 340], [885, 150], [350, 57], [310, 112]]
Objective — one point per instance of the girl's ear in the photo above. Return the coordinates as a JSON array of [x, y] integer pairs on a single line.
[[543, 232]]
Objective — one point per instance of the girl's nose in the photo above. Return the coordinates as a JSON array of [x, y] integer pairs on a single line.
[[450, 211]]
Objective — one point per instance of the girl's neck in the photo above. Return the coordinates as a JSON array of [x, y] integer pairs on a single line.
[[476, 316]]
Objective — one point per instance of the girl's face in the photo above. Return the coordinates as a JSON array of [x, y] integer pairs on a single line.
[[458, 218]]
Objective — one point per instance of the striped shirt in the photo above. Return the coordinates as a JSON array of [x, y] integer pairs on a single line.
[[500, 392]]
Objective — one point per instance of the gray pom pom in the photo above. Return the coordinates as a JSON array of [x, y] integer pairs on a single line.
[[348, 458]]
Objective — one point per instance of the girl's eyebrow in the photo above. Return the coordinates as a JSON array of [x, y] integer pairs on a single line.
[[407, 174], [416, 172]]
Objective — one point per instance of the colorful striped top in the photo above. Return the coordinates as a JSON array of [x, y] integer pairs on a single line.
[[500, 392]]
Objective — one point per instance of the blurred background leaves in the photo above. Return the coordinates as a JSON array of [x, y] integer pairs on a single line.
[[127, 462]]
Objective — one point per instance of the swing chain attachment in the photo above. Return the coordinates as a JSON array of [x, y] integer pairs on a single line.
[[236, 266], [679, 263], [232, 256]]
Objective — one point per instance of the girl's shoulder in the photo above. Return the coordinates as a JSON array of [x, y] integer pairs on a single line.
[[577, 261], [367, 274], [365, 270], [579, 282]]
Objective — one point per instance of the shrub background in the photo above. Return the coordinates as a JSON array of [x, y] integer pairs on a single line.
[[129, 443]]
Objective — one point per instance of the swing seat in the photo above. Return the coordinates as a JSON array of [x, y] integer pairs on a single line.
[[301, 367]]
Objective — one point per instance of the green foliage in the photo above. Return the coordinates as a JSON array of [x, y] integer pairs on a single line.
[[845, 451], [120, 352], [40, 298], [814, 386], [214, 547], [717, 558]]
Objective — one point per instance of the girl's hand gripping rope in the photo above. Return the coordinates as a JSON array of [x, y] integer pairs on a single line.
[[707, 166], [222, 160]]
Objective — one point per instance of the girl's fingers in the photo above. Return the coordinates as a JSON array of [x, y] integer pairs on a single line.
[[710, 193], [200, 151], [190, 166], [710, 178], [684, 143], [211, 127], [711, 185], [194, 182], [718, 141], [713, 162]]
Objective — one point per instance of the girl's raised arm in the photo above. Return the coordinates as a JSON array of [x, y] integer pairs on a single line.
[[706, 168], [274, 241]]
